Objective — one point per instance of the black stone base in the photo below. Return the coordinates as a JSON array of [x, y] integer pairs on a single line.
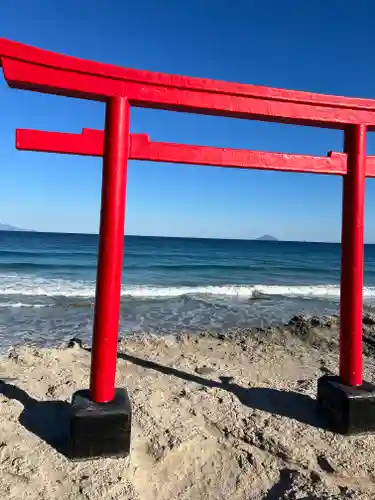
[[349, 410], [100, 429]]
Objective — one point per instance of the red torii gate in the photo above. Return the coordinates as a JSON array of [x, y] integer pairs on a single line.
[[101, 418]]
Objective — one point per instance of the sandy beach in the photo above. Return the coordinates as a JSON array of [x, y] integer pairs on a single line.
[[215, 417]]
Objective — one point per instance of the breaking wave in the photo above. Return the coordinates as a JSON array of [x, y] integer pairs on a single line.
[[18, 285]]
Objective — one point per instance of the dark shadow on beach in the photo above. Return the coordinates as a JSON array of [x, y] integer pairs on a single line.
[[49, 420], [283, 486], [290, 404]]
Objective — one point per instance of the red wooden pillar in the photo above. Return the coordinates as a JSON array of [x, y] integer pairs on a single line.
[[352, 257], [111, 248]]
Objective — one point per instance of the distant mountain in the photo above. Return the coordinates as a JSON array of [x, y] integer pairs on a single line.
[[8, 227], [267, 237]]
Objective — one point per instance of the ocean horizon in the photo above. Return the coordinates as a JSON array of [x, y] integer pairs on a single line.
[[47, 284], [276, 240]]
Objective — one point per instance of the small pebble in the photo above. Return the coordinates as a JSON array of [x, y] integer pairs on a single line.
[[75, 342], [204, 370]]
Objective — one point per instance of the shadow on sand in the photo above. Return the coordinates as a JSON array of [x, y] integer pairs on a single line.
[[284, 485], [49, 420], [290, 404]]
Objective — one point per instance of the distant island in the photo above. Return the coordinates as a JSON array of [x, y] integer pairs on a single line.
[[267, 237], [8, 227]]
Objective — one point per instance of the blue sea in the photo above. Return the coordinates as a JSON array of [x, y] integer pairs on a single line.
[[47, 284]]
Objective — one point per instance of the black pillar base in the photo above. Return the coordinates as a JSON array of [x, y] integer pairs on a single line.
[[349, 410], [100, 429]]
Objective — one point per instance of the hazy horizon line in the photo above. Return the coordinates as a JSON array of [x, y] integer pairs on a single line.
[[277, 240]]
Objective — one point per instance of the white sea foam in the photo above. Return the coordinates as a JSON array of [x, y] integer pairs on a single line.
[[27, 286], [21, 304], [245, 291]]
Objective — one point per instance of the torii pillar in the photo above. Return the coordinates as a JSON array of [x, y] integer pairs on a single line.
[[348, 401], [101, 417]]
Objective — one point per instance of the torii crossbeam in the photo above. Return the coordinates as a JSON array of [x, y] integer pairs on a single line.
[[346, 400]]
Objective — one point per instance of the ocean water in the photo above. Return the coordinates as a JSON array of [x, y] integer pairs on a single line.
[[47, 284]]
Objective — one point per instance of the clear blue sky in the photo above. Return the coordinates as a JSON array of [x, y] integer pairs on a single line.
[[313, 45]]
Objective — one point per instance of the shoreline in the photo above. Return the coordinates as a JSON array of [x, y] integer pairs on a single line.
[[215, 416]]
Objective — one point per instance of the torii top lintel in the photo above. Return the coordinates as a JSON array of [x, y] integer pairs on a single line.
[[30, 68]]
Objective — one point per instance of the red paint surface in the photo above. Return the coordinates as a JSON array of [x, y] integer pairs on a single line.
[[99, 88], [39, 57], [90, 143], [111, 249], [352, 259], [30, 68]]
